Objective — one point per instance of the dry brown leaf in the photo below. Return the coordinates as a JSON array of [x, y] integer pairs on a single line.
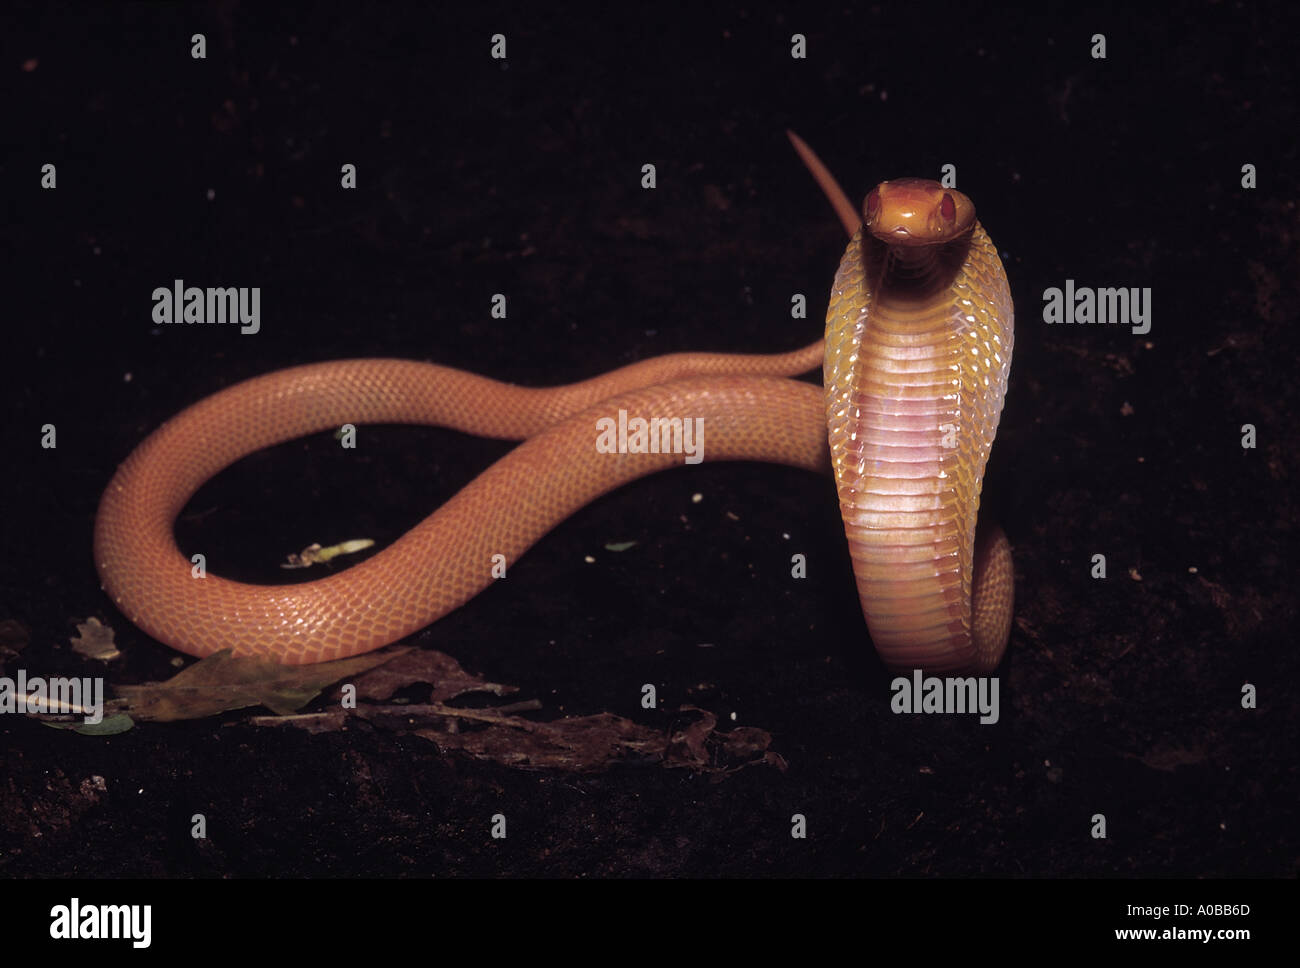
[[588, 744], [437, 669], [223, 681], [95, 640], [578, 744]]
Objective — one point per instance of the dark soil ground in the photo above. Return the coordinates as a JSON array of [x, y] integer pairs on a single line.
[[1121, 696]]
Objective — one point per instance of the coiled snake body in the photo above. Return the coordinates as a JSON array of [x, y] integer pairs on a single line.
[[917, 349]]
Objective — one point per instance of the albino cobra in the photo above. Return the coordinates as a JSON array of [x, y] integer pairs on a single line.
[[917, 349]]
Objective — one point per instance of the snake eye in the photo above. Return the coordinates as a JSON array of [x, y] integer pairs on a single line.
[[872, 205], [948, 208]]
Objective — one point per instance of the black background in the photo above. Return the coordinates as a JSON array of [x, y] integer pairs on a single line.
[[1119, 696]]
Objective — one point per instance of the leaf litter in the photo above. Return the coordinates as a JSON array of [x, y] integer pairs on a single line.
[[224, 682]]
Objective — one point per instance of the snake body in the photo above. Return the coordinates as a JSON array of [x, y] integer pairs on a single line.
[[915, 365], [918, 348]]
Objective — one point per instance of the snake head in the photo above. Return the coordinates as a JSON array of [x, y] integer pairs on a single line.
[[916, 211]]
